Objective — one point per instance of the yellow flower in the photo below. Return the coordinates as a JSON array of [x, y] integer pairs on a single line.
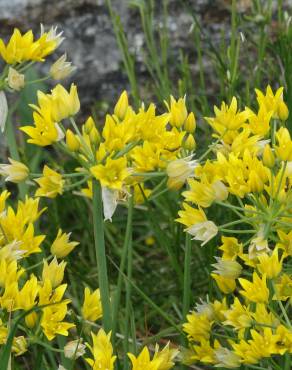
[[162, 360], [197, 327], [226, 285], [53, 272], [26, 298], [9, 272], [228, 117], [203, 352], [62, 246], [255, 291], [238, 315], [21, 48], [112, 174], [203, 193], [4, 195], [15, 171], [52, 321], [261, 345], [64, 104], [263, 316], [45, 130], [8, 300], [51, 184], [260, 123], [102, 351], [190, 216], [270, 264], [273, 102], [91, 309], [49, 295], [231, 248], [61, 69], [178, 111], [29, 209], [165, 357]]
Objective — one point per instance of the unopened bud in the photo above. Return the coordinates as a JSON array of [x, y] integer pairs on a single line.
[[122, 106], [268, 156], [190, 143], [190, 124], [283, 111], [88, 125], [94, 136], [72, 141], [31, 319]]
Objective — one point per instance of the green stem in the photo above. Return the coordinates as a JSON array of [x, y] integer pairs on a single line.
[[128, 287], [187, 275], [187, 281], [12, 146], [237, 231], [126, 246], [98, 228]]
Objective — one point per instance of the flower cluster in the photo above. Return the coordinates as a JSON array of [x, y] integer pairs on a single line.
[[247, 173]]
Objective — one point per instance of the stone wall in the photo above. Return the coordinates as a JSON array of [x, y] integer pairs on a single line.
[[90, 42]]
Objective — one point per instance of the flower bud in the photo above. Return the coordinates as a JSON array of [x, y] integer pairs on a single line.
[[190, 123], [15, 79], [122, 106], [190, 143], [94, 136], [88, 125], [31, 319], [72, 141], [268, 156], [283, 111]]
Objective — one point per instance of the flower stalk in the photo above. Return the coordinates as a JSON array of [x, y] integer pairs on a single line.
[[98, 228]]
